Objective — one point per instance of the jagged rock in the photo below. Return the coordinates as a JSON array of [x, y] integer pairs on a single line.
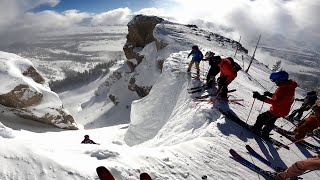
[[23, 93], [20, 97], [141, 91], [59, 117], [34, 74], [140, 33]]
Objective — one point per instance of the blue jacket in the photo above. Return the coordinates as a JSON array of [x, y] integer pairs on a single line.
[[197, 55]]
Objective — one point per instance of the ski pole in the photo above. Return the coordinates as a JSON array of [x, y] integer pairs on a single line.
[[302, 119], [249, 114], [287, 145], [261, 107]]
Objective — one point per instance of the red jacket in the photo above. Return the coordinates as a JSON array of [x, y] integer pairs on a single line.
[[282, 99], [227, 69]]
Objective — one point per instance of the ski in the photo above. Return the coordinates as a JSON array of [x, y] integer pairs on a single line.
[[289, 135], [104, 173], [213, 94], [194, 88], [262, 159], [145, 176], [253, 167], [248, 127]]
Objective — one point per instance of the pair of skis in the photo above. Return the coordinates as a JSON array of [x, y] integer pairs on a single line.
[[213, 94], [105, 174], [255, 168], [290, 135], [242, 123]]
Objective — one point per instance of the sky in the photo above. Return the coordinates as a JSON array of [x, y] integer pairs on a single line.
[[294, 19]]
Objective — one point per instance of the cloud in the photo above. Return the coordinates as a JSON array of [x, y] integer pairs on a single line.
[[296, 19], [118, 16]]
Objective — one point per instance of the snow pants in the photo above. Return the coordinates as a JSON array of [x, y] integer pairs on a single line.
[[265, 120], [297, 111], [213, 71], [303, 128], [197, 66], [299, 167]]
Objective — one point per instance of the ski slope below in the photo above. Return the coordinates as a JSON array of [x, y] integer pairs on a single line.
[[167, 133]]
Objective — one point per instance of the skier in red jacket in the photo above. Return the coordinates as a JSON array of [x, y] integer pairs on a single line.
[[280, 101], [227, 75]]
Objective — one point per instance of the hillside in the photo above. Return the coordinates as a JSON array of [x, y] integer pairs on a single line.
[[165, 133]]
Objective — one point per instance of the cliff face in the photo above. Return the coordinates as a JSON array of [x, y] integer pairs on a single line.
[[23, 92], [140, 33]]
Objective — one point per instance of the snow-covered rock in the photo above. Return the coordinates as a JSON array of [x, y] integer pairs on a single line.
[[24, 93]]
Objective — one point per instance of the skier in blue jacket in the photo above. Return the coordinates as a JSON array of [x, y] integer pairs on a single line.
[[197, 56]]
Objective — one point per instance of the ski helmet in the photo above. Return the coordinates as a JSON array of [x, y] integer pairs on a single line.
[[279, 76], [208, 54], [86, 136]]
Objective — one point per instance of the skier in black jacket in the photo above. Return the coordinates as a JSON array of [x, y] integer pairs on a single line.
[[308, 102], [87, 140], [214, 68]]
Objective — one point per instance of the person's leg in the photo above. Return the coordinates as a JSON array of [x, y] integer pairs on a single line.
[[300, 113], [190, 66], [210, 78], [302, 130], [261, 119], [299, 167], [294, 112], [198, 67], [269, 125], [224, 91]]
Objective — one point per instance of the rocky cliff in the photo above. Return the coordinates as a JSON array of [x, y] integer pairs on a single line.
[[23, 91]]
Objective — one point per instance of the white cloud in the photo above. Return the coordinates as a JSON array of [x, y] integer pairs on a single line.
[[297, 19], [113, 17]]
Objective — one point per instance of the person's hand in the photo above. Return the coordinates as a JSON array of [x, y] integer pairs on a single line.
[[267, 93], [258, 96]]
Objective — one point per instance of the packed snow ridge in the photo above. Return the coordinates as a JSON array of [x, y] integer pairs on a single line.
[[146, 121]]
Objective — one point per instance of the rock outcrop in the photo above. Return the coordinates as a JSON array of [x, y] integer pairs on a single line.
[[23, 93], [140, 33]]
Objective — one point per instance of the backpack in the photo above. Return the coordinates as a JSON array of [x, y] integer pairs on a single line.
[[235, 65]]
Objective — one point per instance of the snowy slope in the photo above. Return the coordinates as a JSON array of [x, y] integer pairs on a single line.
[[169, 135]]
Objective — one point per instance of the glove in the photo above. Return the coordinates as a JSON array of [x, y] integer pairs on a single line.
[[267, 93], [258, 96], [316, 132]]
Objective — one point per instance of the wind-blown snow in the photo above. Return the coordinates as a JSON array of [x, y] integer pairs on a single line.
[[166, 133]]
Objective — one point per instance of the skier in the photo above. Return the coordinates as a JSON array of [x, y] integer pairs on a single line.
[[280, 101], [87, 140], [227, 74], [300, 167], [308, 124], [214, 68], [308, 102], [197, 56]]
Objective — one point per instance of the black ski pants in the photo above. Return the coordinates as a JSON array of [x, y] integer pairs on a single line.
[[265, 120], [213, 71]]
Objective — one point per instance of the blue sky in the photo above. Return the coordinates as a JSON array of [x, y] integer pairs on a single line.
[[96, 6]]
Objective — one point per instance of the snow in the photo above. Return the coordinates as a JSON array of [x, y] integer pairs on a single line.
[[166, 133]]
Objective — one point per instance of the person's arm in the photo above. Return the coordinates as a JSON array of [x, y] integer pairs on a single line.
[[190, 54]]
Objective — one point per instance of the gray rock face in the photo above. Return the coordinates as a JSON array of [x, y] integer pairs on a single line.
[[22, 92], [140, 33], [21, 97]]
